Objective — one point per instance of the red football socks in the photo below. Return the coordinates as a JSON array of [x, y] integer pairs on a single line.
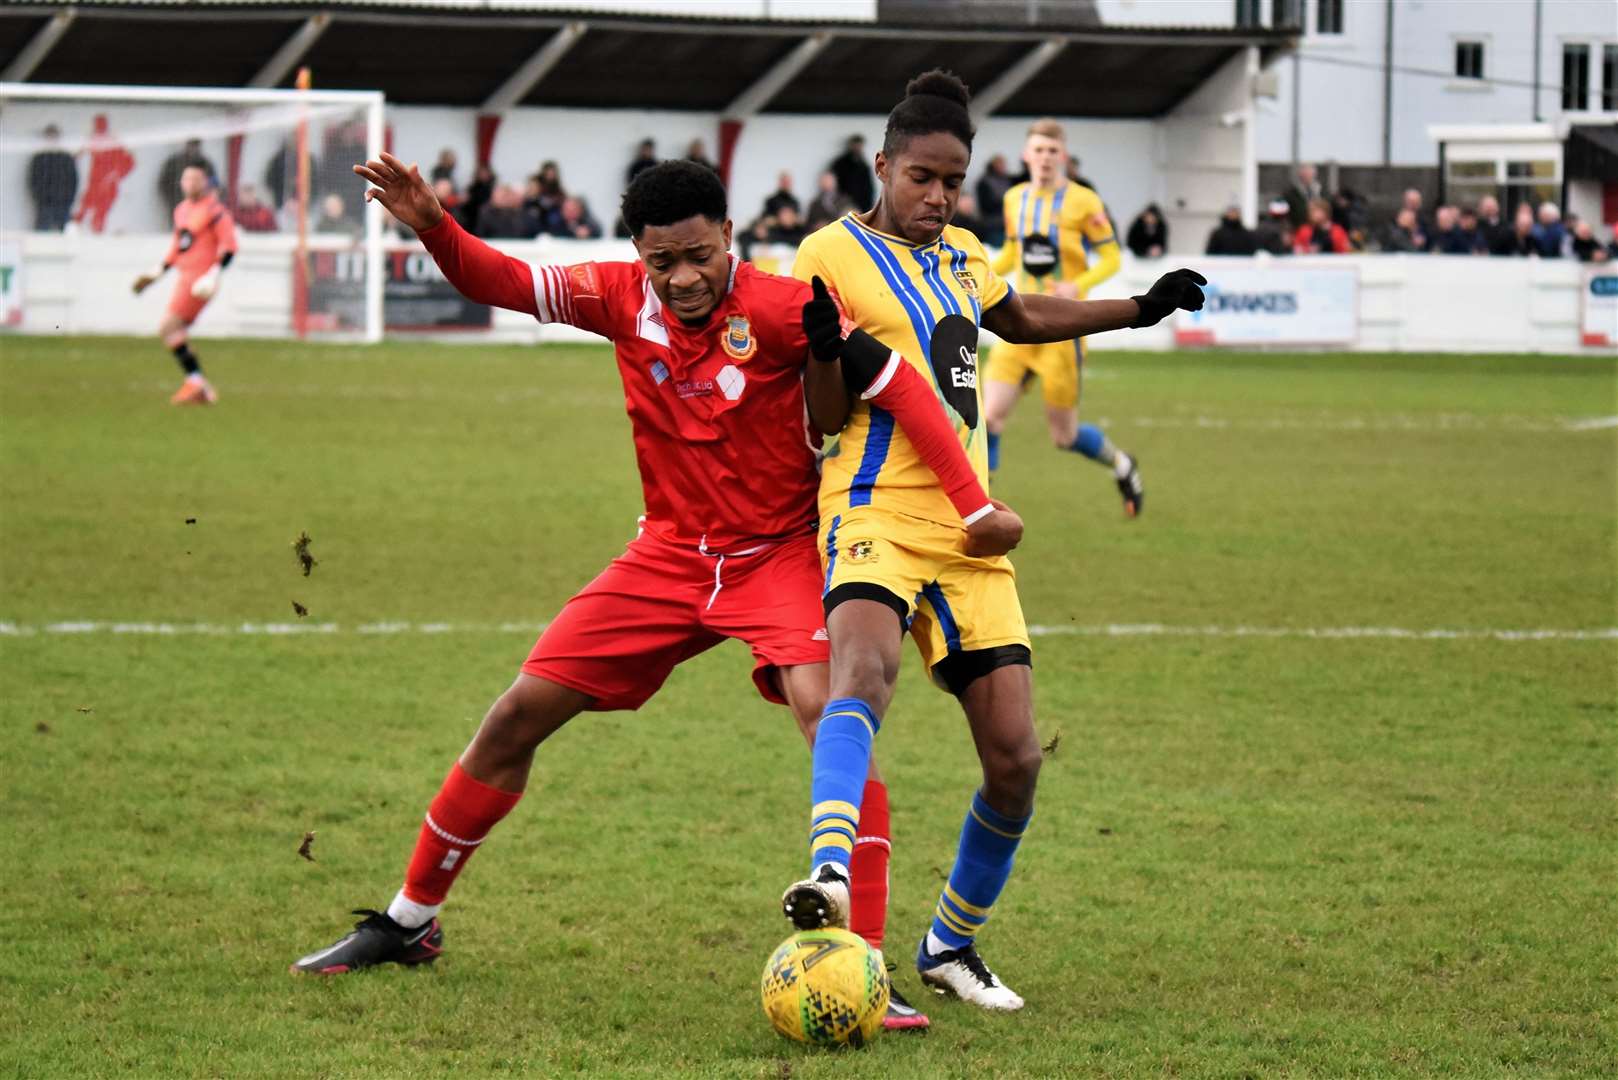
[[868, 868], [457, 821]]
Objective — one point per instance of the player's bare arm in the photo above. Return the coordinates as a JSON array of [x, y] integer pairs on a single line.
[[402, 191], [1035, 320]]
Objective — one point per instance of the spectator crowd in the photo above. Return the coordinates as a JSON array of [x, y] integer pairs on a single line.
[[1304, 219]]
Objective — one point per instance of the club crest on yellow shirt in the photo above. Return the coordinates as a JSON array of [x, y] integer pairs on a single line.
[[737, 340], [862, 551], [968, 282]]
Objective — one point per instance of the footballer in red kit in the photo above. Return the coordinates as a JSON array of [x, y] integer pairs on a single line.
[[714, 358], [204, 243]]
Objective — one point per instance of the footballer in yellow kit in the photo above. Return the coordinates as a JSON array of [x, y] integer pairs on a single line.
[[884, 520], [1050, 221], [892, 543]]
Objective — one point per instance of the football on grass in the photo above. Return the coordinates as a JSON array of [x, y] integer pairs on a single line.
[[826, 987]]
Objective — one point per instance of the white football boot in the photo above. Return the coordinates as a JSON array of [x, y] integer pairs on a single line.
[[963, 973], [819, 900]]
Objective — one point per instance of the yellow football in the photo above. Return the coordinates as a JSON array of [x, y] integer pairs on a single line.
[[826, 987]]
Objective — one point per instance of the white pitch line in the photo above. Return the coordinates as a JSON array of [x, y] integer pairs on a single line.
[[1449, 421], [1124, 630], [1109, 630], [1457, 422]]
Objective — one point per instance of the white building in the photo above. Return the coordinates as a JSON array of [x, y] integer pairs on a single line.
[[1346, 96]]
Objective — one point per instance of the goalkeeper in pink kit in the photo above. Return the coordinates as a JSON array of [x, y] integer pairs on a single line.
[[204, 244]]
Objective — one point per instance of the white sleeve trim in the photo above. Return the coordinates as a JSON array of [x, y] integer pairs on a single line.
[[979, 514], [553, 297], [882, 380]]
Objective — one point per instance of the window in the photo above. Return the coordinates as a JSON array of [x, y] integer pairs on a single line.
[[1469, 59], [1328, 16], [1248, 13], [1532, 182], [1609, 78], [1575, 77], [1287, 14]]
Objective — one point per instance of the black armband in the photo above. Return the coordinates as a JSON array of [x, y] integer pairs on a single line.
[[864, 358]]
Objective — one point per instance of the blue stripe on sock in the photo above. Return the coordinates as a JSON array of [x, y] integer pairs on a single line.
[[842, 758], [981, 807], [955, 910], [983, 862], [994, 451], [1088, 441]]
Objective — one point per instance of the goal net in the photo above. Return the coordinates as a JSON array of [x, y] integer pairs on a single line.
[[90, 176]]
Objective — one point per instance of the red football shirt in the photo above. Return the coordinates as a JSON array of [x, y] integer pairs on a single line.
[[722, 438], [721, 435]]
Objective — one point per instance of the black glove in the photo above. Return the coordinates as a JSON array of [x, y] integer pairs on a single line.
[[822, 324], [1174, 290], [863, 356]]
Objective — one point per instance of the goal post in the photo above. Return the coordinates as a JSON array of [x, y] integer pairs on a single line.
[[89, 178]]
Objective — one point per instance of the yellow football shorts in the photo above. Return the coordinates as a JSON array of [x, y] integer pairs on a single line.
[[1059, 366], [952, 603]]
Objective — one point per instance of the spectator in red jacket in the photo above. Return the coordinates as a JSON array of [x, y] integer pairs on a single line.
[[1320, 235], [252, 215]]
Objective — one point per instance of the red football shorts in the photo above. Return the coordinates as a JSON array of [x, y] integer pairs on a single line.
[[659, 604], [182, 303]]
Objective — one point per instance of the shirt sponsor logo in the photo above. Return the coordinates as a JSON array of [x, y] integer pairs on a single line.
[[955, 365], [1038, 255], [737, 340], [688, 388], [731, 382]]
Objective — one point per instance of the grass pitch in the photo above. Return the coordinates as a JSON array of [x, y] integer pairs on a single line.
[[1288, 829]]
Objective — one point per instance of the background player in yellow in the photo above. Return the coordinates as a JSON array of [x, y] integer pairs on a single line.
[[1049, 221], [892, 542]]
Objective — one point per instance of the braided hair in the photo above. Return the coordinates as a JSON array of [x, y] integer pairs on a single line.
[[935, 100]]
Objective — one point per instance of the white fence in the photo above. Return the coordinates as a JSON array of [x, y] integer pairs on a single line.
[[79, 284]]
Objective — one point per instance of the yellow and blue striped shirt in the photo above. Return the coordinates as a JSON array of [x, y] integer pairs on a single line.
[[924, 301], [1046, 233]]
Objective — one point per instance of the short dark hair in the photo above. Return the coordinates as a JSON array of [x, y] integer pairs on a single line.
[[673, 191], [935, 100]]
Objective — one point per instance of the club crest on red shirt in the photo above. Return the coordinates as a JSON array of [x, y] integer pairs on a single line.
[[737, 340]]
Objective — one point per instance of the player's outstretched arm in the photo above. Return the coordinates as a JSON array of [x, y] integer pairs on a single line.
[[884, 378], [401, 189], [1037, 320], [478, 271]]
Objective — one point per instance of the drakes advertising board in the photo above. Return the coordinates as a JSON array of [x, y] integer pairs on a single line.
[[1274, 305]]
